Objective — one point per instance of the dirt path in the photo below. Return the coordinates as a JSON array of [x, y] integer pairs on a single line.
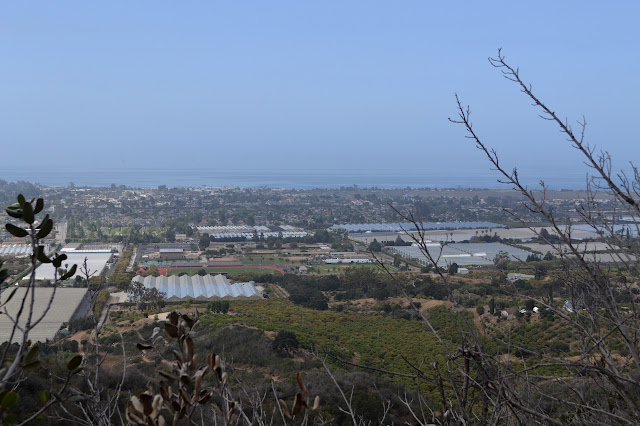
[[278, 291], [78, 337], [425, 304]]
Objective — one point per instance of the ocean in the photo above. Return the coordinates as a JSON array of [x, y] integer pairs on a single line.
[[290, 178]]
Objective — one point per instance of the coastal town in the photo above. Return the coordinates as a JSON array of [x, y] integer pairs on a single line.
[[203, 241]]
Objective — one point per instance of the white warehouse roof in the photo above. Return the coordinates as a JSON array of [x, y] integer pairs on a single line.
[[96, 262], [65, 304], [207, 287]]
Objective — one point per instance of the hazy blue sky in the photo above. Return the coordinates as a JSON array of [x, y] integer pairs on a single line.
[[334, 84]]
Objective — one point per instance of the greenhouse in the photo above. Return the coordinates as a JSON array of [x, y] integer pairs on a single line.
[[196, 287]]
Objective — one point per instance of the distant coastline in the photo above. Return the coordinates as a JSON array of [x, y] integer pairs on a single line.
[[289, 179]]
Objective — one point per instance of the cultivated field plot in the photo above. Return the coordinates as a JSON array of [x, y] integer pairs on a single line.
[[464, 254], [584, 247], [272, 260], [337, 268], [224, 270], [617, 257]]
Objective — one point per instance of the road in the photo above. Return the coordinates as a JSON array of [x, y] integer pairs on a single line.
[[61, 232], [133, 258]]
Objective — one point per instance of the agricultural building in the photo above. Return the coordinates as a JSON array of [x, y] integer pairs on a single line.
[[17, 250], [248, 232], [463, 254], [401, 227], [196, 287], [96, 262], [67, 304]]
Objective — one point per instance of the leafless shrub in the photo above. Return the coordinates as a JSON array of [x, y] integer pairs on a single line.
[[185, 391], [599, 385]]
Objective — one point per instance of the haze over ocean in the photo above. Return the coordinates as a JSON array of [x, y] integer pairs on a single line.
[[291, 178]]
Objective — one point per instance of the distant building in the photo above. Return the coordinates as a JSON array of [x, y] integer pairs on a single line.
[[249, 232], [16, 250], [96, 262], [401, 227], [334, 261], [515, 277], [464, 254]]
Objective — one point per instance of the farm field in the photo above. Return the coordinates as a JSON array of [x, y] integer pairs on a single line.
[[370, 340], [224, 269], [271, 260], [337, 268]]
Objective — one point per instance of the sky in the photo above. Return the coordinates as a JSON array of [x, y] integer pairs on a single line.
[[327, 85]]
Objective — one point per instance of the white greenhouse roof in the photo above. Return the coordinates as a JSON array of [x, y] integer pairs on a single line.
[[401, 227], [207, 287], [247, 232], [464, 254], [65, 303], [15, 250]]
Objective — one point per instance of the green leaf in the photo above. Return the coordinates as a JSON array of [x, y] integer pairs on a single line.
[[33, 354], [44, 396], [74, 362], [69, 274], [34, 365], [15, 231], [39, 206], [45, 228], [11, 418], [9, 298], [58, 260], [14, 213], [10, 401], [21, 200], [27, 212], [43, 257]]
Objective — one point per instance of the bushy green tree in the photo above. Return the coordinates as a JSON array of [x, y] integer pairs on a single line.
[[285, 343], [375, 246]]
